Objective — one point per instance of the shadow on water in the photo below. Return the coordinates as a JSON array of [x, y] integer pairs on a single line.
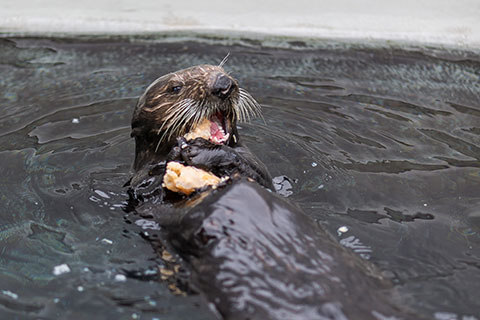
[[381, 146]]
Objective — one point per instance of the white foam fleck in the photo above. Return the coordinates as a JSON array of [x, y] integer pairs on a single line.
[[102, 194], [10, 294], [341, 230], [150, 272], [147, 224], [120, 278], [61, 269], [107, 241], [152, 303], [445, 316]]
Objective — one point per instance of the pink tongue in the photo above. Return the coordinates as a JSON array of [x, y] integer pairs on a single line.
[[215, 131]]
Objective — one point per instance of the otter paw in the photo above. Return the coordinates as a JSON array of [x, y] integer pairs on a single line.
[[198, 152]]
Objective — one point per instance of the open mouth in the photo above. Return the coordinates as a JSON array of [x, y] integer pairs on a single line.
[[215, 129], [218, 129]]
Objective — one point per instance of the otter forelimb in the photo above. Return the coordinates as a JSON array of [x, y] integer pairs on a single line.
[[223, 160]]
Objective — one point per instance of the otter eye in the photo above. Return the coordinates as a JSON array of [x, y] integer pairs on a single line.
[[175, 89]]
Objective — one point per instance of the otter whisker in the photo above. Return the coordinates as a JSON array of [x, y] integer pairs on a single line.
[[246, 107], [171, 110], [167, 122], [189, 118], [250, 103], [174, 110], [243, 112], [163, 136], [160, 141], [214, 108], [174, 120], [178, 127], [197, 116], [203, 113], [236, 109], [178, 117], [224, 60], [194, 115]]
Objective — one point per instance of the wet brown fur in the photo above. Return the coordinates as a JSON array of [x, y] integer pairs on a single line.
[[155, 108]]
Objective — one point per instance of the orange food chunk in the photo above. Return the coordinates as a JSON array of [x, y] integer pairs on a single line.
[[183, 179], [200, 131]]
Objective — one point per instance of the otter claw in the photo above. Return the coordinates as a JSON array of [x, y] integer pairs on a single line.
[[182, 142]]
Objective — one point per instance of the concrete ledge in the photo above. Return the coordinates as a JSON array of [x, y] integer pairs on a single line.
[[440, 22]]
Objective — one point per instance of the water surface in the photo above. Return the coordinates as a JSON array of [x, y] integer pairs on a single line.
[[384, 142]]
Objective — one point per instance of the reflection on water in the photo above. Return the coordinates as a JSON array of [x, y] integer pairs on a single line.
[[381, 144]]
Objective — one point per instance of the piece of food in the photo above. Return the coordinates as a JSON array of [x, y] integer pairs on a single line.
[[200, 131], [212, 130], [180, 178]]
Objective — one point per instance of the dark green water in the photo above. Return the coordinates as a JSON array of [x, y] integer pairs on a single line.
[[383, 141]]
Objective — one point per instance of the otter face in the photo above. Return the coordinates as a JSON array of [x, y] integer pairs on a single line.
[[178, 102]]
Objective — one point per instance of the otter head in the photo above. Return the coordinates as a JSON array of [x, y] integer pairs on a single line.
[[176, 103]]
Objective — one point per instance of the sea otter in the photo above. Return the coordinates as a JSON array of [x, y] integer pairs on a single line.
[[250, 253], [176, 103]]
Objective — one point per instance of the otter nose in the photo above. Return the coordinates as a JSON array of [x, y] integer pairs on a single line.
[[222, 87]]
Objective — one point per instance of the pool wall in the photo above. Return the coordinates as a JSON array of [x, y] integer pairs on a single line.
[[435, 22]]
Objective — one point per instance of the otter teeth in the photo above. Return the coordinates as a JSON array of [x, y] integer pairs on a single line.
[[209, 129], [221, 140], [217, 131]]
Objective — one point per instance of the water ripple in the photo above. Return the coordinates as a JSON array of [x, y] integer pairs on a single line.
[[384, 141]]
